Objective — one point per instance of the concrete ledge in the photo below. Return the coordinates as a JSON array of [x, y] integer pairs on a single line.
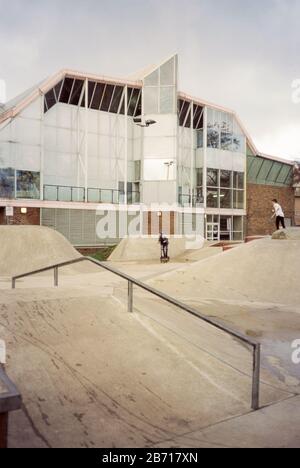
[[10, 398]]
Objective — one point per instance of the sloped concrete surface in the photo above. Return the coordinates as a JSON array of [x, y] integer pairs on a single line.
[[287, 234], [277, 426], [262, 271], [93, 375], [27, 248]]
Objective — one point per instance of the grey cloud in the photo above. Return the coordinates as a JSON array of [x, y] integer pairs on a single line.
[[240, 54]]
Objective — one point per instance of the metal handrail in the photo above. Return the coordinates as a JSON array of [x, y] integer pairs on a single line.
[[68, 187], [192, 311], [76, 193]]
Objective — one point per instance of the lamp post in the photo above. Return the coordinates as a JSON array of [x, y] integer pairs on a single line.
[[169, 164]]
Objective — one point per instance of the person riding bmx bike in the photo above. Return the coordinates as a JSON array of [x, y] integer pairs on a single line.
[[164, 243]]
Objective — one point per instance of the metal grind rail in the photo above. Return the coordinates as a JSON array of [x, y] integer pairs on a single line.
[[192, 311]]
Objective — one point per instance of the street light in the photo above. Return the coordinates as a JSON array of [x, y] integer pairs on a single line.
[[141, 123], [169, 164]]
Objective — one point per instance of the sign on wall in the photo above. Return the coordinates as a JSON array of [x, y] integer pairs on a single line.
[[9, 211]]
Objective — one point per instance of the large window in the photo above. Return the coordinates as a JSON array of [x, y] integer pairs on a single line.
[[160, 89], [187, 119], [225, 198], [212, 198], [19, 184], [212, 182], [7, 183], [223, 132], [101, 96], [225, 189], [28, 184], [213, 137], [238, 190], [225, 179], [212, 178]]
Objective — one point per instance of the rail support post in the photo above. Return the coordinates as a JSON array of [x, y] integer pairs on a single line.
[[56, 277], [13, 283], [256, 377], [3, 430], [130, 297]]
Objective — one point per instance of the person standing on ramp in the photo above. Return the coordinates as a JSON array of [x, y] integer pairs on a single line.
[[278, 214]]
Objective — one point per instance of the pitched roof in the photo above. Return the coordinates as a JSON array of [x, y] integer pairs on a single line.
[[19, 103]]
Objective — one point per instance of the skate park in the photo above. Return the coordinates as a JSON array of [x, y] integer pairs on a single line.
[[191, 346], [92, 374]]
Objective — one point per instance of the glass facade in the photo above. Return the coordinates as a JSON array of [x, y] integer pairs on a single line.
[[28, 184], [103, 97], [225, 189], [185, 117], [159, 91], [264, 171], [19, 184], [7, 183], [163, 161], [224, 228], [223, 132]]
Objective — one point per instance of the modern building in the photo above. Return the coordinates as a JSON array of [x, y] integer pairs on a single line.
[[77, 142], [297, 192]]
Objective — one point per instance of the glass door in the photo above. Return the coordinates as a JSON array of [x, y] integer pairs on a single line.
[[212, 231]]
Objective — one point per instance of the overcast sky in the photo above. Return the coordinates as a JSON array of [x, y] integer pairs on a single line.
[[236, 53]]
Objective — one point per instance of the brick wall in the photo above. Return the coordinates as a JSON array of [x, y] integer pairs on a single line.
[[154, 224], [297, 211], [31, 218], [259, 207], [2, 216]]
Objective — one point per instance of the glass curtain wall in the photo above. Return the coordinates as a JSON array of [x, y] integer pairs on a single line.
[[160, 89], [225, 189], [103, 97], [19, 184], [190, 117], [223, 132], [224, 228]]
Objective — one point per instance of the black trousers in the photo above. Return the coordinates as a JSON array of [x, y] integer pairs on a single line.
[[165, 250], [280, 220]]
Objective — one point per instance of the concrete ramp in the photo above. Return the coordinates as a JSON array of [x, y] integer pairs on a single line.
[[27, 248], [287, 234], [92, 375], [264, 270], [148, 249]]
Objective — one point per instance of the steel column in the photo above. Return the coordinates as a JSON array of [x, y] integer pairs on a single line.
[[56, 277], [130, 297], [3, 430], [256, 377]]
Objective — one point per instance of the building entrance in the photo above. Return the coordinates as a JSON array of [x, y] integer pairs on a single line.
[[212, 231]]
